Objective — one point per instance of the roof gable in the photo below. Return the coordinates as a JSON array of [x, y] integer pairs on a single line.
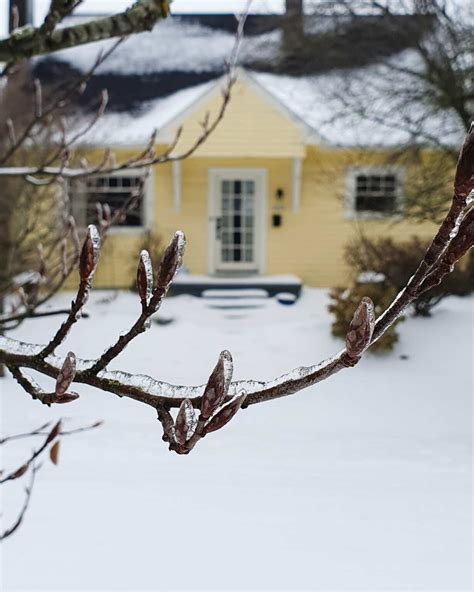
[[256, 124]]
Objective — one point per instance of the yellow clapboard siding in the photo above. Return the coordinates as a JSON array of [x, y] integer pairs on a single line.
[[251, 127]]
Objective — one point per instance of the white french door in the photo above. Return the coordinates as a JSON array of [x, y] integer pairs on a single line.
[[236, 220]]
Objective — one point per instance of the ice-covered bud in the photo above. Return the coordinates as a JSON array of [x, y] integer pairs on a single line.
[[361, 328], [464, 177], [227, 412], [90, 253], [217, 385], [106, 214], [185, 422], [463, 241], [145, 277], [171, 260], [67, 398], [66, 374]]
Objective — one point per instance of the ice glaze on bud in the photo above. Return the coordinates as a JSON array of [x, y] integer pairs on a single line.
[[106, 214], [464, 177], [145, 277], [171, 260], [67, 398], [361, 328], [463, 241], [217, 385], [227, 412], [90, 253], [185, 422], [66, 374]]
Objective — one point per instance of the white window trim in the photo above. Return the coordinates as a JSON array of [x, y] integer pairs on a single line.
[[351, 184], [147, 203], [215, 175]]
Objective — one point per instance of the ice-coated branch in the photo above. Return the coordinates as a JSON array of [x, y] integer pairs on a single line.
[[207, 408], [28, 41]]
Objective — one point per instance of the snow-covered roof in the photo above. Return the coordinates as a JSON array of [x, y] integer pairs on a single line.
[[155, 77], [134, 129], [173, 45], [392, 120], [316, 102]]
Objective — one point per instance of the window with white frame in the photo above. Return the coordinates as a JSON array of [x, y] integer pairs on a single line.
[[117, 190], [374, 192]]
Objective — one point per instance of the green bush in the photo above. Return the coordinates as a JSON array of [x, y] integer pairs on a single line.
[[398, 261], [394, 263]]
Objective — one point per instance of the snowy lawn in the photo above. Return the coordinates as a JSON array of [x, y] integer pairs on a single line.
[[360, 483]]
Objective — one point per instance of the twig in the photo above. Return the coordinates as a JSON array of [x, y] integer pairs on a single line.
[[28, 491]]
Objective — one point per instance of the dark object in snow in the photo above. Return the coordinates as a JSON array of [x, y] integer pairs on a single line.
[[286, 298], [163, 320]]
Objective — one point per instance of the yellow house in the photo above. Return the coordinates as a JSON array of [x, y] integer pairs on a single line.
[[264, 201], [285, 181]]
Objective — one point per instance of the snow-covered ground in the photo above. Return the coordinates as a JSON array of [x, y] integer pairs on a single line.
[[360, 483]]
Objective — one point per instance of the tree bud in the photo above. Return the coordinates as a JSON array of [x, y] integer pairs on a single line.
[[361, 328], [217, 385], [227, 412], [89, 254], [185, 422], [145, 277], [66, 374]]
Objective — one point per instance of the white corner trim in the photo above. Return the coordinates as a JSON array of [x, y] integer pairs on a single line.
[[297, 164], [176, 174]]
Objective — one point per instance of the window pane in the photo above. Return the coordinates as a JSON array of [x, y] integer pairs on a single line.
[[249, 187], [375, 193]]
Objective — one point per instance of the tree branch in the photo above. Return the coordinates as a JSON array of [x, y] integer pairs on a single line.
[[28, 41]]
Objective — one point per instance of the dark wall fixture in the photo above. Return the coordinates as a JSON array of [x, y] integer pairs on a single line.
[[278, 208]]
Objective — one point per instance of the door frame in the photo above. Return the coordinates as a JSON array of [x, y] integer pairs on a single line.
[[259, 175]]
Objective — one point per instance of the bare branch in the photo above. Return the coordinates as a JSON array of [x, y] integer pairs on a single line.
[[29, 41]]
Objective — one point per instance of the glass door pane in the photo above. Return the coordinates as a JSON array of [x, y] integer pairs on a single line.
[[238, 221]]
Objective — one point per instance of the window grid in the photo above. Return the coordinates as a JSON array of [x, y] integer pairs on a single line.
[[237, 233], [376, 193]]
